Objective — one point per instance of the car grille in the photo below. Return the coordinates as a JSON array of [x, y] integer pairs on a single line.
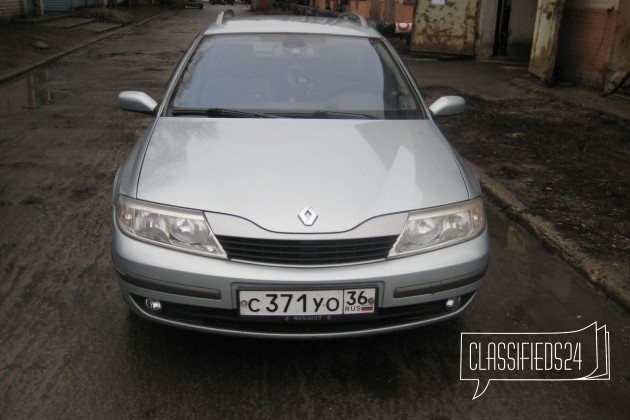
[[307, 252]]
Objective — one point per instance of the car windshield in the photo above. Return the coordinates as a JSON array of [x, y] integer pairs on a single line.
[[294, 76]]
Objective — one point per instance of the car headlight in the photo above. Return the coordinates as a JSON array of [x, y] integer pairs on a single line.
[[172, 227], [427, 230]]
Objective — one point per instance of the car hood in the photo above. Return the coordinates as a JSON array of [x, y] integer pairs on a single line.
[[268, 170]]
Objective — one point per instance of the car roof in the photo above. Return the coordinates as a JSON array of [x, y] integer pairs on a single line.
[[291, 24]]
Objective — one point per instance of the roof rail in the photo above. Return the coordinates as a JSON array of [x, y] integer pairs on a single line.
[[355, 17], [224, 16]]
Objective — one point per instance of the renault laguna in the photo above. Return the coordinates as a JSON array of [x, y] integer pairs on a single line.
[[293, 184]]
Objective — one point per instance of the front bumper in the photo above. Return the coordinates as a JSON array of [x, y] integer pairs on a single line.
[[201, 293]]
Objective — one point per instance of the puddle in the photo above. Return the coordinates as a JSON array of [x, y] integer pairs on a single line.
[[28, 92], [516, 242]]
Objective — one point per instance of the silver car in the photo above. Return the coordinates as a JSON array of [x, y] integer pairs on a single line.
[[293, 184]]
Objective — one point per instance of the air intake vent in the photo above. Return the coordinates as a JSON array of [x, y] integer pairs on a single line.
[[307, 252]]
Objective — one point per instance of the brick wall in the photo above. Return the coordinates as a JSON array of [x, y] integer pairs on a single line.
[[361, 7], [585, 44], [403, 12]]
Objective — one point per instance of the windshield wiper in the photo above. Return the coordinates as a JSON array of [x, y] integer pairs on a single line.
[[219, 113], [329, 114], [338, 114], [235, 113]]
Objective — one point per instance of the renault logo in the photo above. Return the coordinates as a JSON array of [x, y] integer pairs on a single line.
[[308, 216]]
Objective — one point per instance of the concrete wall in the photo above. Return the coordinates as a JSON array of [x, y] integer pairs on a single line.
[[585, 45]]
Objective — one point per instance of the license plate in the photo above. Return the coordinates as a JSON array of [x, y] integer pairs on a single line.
[[307, 302]]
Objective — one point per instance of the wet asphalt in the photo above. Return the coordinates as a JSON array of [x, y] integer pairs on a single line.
[[71, 349]]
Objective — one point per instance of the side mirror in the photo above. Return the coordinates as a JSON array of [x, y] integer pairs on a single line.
[[137, 102], [448, 105]]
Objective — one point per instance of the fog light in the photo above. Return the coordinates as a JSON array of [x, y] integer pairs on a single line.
[[453, 303], [153, 305]]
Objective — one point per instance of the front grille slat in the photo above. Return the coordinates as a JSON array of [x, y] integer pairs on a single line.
[[307, 252]]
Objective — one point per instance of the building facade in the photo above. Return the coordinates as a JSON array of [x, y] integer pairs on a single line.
[[65, 5], [10, 9], [390, 11], [583, 41]]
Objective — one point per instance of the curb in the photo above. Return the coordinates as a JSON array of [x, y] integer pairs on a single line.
[[23, 70], [605, 278]]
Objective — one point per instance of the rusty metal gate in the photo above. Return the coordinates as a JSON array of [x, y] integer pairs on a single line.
[[445, 27]]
